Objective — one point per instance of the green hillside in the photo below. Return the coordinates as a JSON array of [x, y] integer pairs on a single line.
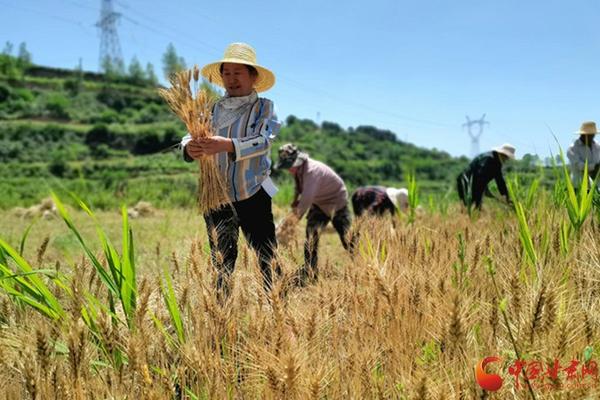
[[111, 139]]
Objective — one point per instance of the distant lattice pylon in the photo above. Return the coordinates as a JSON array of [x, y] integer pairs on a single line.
[[475, 137], [110, 48]]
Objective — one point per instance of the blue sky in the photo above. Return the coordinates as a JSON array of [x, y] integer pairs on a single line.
[[414, 67]]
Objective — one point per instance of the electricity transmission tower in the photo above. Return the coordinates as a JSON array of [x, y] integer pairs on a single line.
[[110, 48], [475, 137]]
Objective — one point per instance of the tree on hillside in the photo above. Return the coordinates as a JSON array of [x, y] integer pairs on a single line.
[[24, 56], [172, 63], [111, 68], [74, 84], [530, 161], [136, 72], [331, 127], [8, 49], [9, 65], [150, 75]]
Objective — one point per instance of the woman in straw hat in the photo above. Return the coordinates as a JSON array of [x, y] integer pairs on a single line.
[[472, 182], [584, 148], [245, 126]]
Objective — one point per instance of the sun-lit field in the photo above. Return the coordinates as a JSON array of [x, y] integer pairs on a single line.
[[408, 316]]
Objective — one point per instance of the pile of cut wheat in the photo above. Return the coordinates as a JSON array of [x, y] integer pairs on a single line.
[[286, 230]]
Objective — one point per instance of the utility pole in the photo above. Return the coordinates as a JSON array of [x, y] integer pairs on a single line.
[[110, 47], [475, 136]]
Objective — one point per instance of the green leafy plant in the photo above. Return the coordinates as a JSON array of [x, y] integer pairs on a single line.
[[460, 268], [166, 287], [25, 284], [413, 196], [579, 205], [120, 278], [524, 231]]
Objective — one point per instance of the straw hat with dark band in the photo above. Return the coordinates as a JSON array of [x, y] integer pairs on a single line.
[[239, 53], [587, 128]]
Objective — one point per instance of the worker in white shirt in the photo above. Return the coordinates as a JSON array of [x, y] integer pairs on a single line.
[[584, 149]]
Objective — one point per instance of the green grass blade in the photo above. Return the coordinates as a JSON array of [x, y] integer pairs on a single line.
[[47, 272], [163, 330], [32, 283], [166, 286], [3, 259], [532, 193], [524, 232], [104, 276], [25, 235], [189, 392], [128, 287], [36, 305]]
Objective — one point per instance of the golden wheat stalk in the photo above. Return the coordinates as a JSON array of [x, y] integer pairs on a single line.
[[193, 105]]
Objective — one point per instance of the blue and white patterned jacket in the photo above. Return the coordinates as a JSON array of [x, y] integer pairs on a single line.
[[249, 167]]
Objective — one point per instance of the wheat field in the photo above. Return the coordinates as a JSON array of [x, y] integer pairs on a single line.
[[408, 316]]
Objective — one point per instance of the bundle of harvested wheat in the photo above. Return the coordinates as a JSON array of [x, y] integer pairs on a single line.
[[45, 209], [141, 209], [286, 230], [193, 105]]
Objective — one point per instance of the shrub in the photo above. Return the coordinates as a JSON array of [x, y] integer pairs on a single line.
[[148, 142], [58, 166], [107, 117], [57, 105], [99, 134], [112, 98], [150, 113], [5, 92], [101, 151]]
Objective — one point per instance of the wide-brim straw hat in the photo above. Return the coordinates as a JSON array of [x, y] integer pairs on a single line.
[[240, 53], [507, 149], [587, 128]]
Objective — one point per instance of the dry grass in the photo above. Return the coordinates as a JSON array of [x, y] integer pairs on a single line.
[[193, 105], [388, 323]]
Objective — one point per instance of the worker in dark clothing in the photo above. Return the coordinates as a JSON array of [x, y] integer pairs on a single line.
[[379, 200], [472, 182]]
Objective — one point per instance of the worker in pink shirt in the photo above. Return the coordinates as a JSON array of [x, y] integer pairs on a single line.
[[321, 192]]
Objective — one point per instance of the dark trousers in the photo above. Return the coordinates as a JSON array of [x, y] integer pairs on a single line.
[[470, 190], [255, 217], [316, 221]]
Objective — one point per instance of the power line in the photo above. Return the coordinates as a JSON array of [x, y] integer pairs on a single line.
[[170, 29], [195, 13], [363, 106], [283, 78], [82, 5], [168, 35], [56, 17]]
